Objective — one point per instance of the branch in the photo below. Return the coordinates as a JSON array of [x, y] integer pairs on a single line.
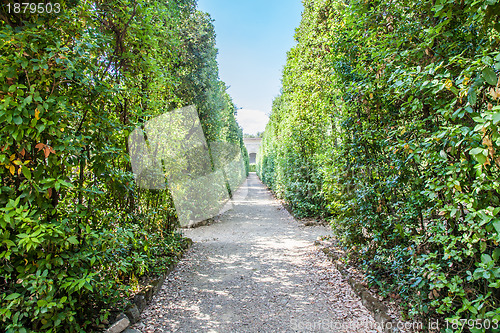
[[58, 83], [27, 78], [129, 20]]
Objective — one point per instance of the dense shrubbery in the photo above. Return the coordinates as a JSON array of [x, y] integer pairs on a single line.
[[75, 232], [388, 122]]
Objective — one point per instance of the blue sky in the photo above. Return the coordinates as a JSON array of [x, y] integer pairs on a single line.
[[253, 37]]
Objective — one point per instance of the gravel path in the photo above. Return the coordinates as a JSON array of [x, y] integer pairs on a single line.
[[255, 270]]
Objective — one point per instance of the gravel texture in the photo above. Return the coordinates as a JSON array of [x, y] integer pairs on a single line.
[[256, 270]]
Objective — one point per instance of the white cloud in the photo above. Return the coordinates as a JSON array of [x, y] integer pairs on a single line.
[[252, 121]]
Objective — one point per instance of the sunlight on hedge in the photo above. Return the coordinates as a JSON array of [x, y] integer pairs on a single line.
[[76, 234], [388, 124]]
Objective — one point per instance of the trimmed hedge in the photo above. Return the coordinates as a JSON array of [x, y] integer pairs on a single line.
[[388, 123], [75, 232]]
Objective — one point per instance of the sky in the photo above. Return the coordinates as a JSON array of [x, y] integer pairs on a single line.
[[253, 37]]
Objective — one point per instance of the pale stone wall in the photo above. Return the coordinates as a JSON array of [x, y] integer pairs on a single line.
[[252, 145]]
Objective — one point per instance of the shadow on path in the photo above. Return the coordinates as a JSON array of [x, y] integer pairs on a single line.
[[255, 270]]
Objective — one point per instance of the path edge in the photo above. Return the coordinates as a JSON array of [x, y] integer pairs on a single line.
[[377, 308], [133, 312]]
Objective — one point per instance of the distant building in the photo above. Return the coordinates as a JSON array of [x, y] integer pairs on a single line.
[[252, 145]]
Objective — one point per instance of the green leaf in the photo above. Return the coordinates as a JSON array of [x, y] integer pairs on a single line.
[[18, 120], [486, 258], [480, 158], [487, 60], [496, 118], [9, 243], [62, 182], [489, 76], [476, 151], [471, 96], [497, 226], [12, 296], [81, 284], [496, 254], [26, 172], [73, 240]]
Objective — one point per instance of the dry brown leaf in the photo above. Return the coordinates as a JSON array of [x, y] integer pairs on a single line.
[[487, 142], [495, 93], [40, 146]]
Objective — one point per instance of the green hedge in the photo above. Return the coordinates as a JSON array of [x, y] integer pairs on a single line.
[[388, 123], [75, 232]]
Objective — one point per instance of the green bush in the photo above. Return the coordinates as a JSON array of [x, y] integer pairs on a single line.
[[76, 234], [388, 123]]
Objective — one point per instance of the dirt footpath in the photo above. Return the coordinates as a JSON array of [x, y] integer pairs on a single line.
[[255, 270]]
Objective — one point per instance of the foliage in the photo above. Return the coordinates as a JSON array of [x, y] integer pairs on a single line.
[[258, 135], [75, 231], [388, 122]]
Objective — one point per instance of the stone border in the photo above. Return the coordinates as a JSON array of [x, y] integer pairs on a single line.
[[133, 312], [377, 308]]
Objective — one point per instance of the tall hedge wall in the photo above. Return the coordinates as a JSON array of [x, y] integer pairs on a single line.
[[75, 231], [388, 124]]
